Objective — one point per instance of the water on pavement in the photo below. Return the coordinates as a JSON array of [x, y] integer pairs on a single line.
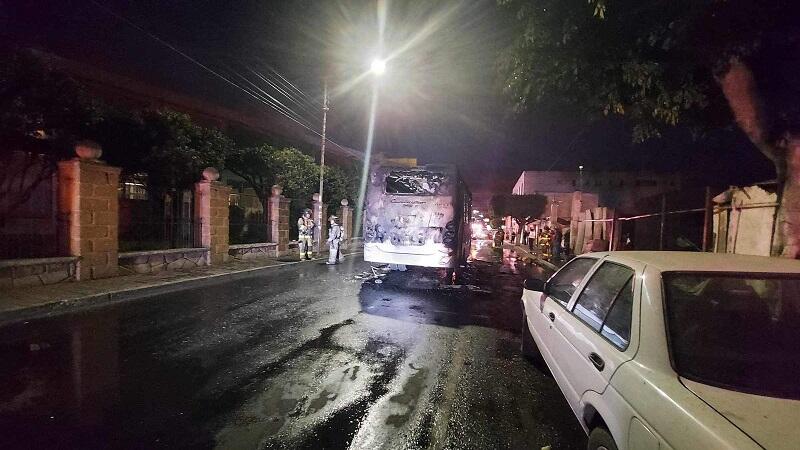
[[304, 356]]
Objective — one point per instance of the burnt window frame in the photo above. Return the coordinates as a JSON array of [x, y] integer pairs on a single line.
[[445, 176]]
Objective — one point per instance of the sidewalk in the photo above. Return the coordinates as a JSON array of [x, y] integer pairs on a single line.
[[523, 251], [19, 303]]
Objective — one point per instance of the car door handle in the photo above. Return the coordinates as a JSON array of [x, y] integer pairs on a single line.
[[597, 361], [552, 316]]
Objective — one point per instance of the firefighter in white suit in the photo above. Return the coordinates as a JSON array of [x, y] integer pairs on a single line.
[[335, 236]]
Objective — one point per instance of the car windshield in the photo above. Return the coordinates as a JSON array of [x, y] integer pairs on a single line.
[[737, 331]]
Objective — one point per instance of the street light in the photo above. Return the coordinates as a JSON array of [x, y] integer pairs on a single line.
[[378, 66]]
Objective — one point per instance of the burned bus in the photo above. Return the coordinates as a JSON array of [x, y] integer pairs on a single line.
[[417, 216]]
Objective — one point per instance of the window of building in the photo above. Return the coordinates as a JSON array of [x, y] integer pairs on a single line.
[[133, 186]]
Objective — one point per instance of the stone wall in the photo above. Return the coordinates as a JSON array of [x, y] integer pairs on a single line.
[[37, 272], [159, 260], [253, 251]]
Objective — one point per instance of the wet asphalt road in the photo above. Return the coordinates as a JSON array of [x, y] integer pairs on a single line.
[[303, 356]]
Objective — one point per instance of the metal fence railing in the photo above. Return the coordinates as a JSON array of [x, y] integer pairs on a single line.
[[247, 228], [28, 245], [162, 234]]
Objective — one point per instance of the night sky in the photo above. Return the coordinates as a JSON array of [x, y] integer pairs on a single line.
[[439, 100]]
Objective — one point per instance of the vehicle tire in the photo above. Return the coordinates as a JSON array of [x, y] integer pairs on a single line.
[[528, 347], [601, 439]]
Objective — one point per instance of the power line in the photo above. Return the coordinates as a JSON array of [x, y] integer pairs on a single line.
[[267, 97], [210, 70], [281, 90]]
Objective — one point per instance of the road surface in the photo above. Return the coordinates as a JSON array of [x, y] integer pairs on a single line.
[[303, 356]]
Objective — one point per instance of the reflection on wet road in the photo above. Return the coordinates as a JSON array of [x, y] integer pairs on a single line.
[[305, 356]]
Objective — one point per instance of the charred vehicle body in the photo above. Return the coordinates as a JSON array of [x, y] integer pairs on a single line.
[[417, 216]]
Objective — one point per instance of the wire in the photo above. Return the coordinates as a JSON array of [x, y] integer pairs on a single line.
[[217, 74], [267, 97]]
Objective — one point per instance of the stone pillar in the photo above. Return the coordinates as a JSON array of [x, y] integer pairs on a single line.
[[319, 211], [279, 220], [88, 206], [211, 215], [575, 218], [346, 217]]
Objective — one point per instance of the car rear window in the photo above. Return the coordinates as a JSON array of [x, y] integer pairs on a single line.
[[738, 331]]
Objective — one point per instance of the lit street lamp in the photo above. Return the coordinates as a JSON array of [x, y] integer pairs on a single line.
[[378, 66]]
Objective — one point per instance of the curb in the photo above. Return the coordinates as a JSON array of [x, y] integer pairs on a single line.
[[536, 260], [58, 307]]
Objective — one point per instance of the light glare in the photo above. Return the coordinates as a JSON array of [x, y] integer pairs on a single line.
[[378, 66]]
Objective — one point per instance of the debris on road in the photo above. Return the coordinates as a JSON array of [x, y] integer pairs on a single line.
[[469, 287], [374, 274]]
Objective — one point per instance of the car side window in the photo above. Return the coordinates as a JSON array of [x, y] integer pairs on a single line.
[[563, 284], [617, 327], [608, 284]]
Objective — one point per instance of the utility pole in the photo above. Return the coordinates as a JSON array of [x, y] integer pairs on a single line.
[[322, 145]]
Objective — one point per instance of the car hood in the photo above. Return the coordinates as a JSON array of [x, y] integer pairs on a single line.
[[774, 423]]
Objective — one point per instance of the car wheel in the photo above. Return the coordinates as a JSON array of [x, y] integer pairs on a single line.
[[528, 347], [601, 439]]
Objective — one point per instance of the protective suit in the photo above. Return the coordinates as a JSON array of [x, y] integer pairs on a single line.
[[305, 238], [335, 236]]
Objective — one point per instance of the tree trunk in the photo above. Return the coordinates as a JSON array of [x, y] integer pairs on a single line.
[[741, 91], [787, 221]]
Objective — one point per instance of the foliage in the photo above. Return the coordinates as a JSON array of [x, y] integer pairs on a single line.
[[340, 183], [166, 145], [651, 61], [42, 113], [37, 102], [660, 64], [523, 208], [295, 172], [264, 166], [254, 166]]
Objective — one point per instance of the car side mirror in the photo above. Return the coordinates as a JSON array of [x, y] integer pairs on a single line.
[[534, 284]]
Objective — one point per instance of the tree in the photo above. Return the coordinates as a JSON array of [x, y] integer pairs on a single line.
[[296, 173], [522, 208], [263, 166], [165, 145], [698, 64], [180, 149], [42, 114], [340, 183], [254, 166]]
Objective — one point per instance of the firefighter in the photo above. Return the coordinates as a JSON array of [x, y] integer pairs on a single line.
[[305, 231], [545, 238], [335, 236]]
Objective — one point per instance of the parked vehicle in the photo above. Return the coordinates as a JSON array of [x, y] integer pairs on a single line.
[[657, 350]]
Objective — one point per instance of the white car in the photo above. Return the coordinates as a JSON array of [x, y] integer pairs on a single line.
[[656, 350]]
